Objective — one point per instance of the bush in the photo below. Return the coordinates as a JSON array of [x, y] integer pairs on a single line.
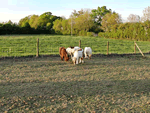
[[82, 33], [101, 34], [132, 31], [90, 33]]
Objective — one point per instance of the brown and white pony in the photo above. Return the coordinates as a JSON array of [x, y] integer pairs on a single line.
[[63, 54], [78, 56], [70, 50]]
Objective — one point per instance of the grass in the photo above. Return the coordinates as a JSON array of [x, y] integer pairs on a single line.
[[102, 84], [25, 45]]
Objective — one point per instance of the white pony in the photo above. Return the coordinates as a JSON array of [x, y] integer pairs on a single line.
[[88, 52], [71, 50], [78, 56]]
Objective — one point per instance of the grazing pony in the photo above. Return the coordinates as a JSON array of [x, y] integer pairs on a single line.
[[63, 54], [78, 56], [88, 52], [70, 50]]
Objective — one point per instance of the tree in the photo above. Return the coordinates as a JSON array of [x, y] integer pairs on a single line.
[[84, 22], [8, 28], [66, 28], [23, 21], [10, 22], [48, 26], [1, 28], [109, 20], [46, 18], [99, 13], [62, 26], [34, 21], [146, 26], [133, 18], [146, 14], [58, 26], [81, 21], [26, 24], [75, 13], [75, 24], [16, 28]]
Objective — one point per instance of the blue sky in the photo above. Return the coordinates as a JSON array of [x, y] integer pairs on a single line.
[[14, 10]]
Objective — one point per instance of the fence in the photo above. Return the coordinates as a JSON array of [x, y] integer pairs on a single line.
[[43, 46]]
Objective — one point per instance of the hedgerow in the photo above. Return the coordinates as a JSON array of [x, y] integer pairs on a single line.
[[132, 31]]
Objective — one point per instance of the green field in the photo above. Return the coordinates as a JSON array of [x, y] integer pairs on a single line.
[[102, 85], [25, 45]]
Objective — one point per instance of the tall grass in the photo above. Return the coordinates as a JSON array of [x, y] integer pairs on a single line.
[[24, 45]]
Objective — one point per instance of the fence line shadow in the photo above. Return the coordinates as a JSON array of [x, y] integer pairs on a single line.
[[94, 55]]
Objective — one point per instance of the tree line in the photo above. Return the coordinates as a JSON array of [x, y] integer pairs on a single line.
[[135, 29], [32, 24], [132, 31], [101, 21], [81, 22]]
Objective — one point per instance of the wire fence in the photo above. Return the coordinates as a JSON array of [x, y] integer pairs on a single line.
[[47, 47]]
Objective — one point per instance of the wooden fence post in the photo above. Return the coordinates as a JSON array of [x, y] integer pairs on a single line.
[[139, 49], [37, 52], [80, 43], [108, 48]]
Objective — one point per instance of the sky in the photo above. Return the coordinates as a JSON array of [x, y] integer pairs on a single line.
[[15, 10]]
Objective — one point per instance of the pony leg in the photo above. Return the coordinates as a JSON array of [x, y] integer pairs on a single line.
[[71, 55], [86, 55], [90, 56], [62, 58], [77, 61], [80, 60]]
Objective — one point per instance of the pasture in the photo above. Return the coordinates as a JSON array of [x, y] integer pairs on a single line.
[[25, 45], [102, 84]]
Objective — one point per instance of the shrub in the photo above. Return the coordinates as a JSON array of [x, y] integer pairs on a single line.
[[101, 34], [90, 33], [82, 33]]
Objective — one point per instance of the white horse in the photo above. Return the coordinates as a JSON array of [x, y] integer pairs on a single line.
[[88, 52], [71, 50], [78, 56]]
